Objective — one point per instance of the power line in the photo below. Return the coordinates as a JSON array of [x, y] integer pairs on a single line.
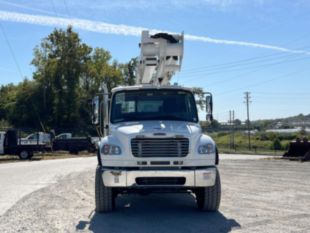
[[247, 73], [11, 51], [281, 93], [54, 7], [21, 6], [251, 68], [67, 8], [235, 63], [249, 60], [282, 97], [19, 70], [289, 75], [305, 35]]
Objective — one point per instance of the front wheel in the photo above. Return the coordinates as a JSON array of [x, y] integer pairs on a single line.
[[103, 195], [209, 198]]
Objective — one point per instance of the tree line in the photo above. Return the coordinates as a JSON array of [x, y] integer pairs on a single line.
[[68, 73]]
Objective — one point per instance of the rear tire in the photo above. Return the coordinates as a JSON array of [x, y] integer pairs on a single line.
[[306, 157], [25, 154], [209, 198], [73, 151], [105, 200]]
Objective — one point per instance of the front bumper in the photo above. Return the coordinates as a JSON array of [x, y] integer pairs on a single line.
[[193, 178]]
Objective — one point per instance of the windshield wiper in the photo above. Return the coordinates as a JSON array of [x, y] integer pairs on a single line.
[[173, 117], [163, 117], [118, 120], [127, 118]]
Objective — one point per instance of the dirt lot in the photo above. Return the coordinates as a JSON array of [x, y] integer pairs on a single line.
[[44, 156], [258, 196]]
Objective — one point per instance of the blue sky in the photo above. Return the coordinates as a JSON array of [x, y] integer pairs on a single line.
[[232, 46]]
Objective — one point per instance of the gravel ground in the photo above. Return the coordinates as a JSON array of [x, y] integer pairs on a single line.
[[17, 179], [258, 196]]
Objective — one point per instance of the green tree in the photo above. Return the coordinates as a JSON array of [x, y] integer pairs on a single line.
[[60, 61], [130, 71], [101, 69], [7, 101], [237, 122], [276, 144], [215, 124], [68, 73], [25, 112], [200, 97], [302, 131]]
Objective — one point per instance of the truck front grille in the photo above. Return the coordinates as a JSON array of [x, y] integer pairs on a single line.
[[159, 147], [160, 180]]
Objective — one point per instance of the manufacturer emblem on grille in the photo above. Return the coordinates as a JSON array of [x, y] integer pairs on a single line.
[[161, 127]]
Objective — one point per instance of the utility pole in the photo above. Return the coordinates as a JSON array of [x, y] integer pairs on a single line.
[[230, 136], [232, 128], [247, 102]]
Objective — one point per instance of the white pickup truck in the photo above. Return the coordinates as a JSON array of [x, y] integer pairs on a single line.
[[36, 138], [153, 141]]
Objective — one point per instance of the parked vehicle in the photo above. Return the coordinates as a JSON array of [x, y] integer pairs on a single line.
[[10, 144], [64, 136], [152, 138], [298, 149], [36, 138], [65, 142]]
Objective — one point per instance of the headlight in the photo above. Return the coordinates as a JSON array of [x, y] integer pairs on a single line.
[[109, 149], [206, 149]]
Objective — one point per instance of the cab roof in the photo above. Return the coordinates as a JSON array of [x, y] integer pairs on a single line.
[[149, 86]]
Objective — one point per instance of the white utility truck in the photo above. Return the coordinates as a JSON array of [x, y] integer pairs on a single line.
[[151, 137]]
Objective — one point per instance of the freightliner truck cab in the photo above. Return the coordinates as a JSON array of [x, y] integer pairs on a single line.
[[151, 137]]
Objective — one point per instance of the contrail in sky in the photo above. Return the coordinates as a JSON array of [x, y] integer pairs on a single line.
[[125, 30]]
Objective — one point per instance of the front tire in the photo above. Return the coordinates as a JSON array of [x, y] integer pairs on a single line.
[[209, 198], [103, 195]]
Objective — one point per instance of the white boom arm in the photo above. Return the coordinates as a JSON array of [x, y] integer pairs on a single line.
[[161, 56]]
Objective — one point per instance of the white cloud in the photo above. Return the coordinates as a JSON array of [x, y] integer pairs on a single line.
[[125, 30], [160, 4], [107, 5]]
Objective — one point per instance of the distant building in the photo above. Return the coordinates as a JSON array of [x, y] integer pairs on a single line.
[[278, 125], [301, 123], [294, 130]]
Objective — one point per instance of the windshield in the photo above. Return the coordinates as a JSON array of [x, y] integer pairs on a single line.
[[140, 105]]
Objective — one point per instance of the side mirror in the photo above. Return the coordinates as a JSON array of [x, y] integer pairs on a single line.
[[95, 110], [209, 107]]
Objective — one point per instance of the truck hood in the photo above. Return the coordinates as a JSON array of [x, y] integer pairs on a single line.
[[156, 128], [121, 135]]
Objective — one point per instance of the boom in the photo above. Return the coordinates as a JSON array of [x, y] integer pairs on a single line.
[[161, 56]]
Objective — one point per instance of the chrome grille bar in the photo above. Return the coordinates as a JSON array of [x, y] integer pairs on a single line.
[[159, 147]]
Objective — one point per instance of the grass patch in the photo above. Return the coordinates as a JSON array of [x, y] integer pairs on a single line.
[[260, 143]]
